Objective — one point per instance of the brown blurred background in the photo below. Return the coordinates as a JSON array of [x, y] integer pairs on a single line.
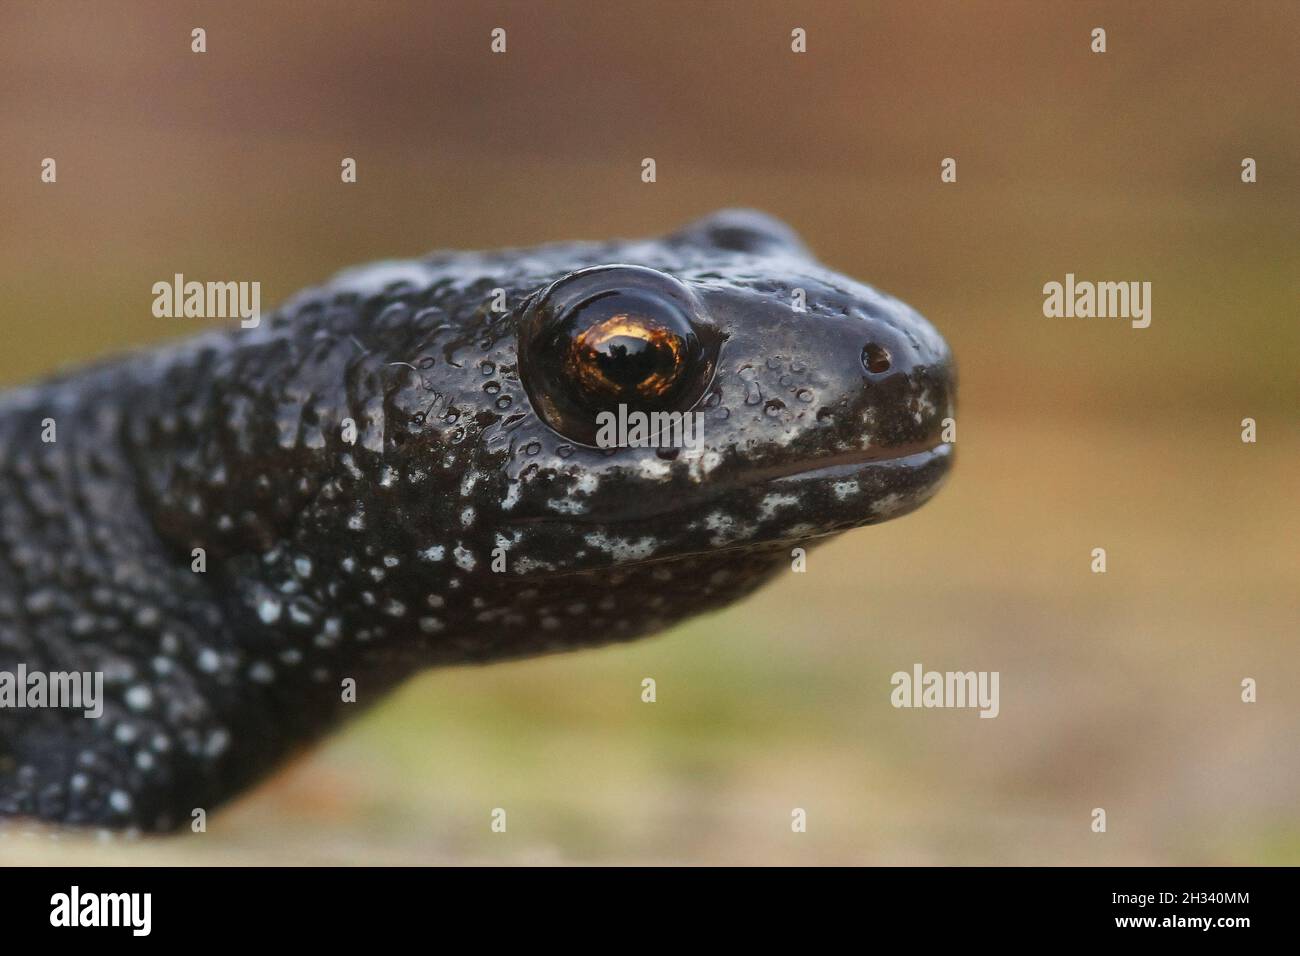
[[1118, 691]]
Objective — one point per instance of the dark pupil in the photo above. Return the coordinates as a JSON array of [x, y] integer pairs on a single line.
[[628, 361]]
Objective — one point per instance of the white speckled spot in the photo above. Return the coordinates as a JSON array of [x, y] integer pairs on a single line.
[[268, 609], [125, 733], [261, 672], [217, 743], [767, 507], [512, 496], [139, 697], [622, 549], [567, 506], [654, 468], [843, 489]]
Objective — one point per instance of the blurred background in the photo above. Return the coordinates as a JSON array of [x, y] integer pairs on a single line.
[[1119, 691]]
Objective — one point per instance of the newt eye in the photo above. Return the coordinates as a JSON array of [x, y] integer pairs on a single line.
[[611, 336]]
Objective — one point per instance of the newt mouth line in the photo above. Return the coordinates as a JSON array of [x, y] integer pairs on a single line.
[[913, 455], [900, 461]]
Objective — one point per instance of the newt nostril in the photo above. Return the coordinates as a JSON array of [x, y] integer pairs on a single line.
[[875, 358]]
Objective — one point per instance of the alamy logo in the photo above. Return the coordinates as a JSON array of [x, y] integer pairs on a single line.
[[923, 688], [633, 429], [208, 300], [1100, 300], [75, 690], [75, 908]]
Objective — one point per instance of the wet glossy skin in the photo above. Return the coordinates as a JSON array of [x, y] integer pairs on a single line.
[[459, 526]]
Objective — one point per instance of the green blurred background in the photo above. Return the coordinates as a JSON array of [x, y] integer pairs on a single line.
[[1118, 691]]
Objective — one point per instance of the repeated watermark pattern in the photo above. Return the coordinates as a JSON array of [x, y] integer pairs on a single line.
[[946, 689], [638, 429], [181, 298], [1073, 299], [23, 689]]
